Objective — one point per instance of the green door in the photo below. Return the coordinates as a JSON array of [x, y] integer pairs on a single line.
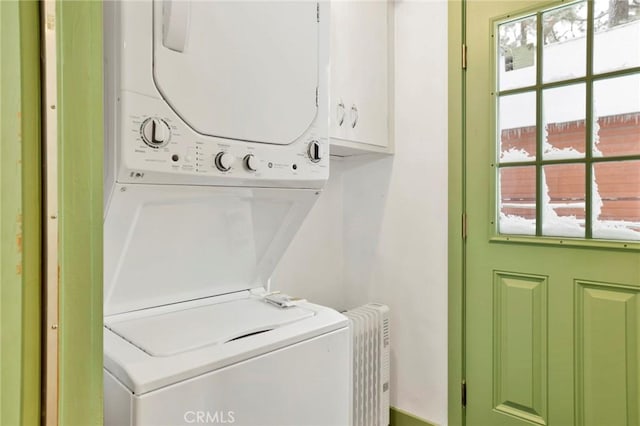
[[552, 148]]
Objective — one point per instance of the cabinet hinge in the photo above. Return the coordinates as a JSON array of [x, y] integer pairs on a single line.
[[318, 12], [464, 56], [464, 226], [463, 393]]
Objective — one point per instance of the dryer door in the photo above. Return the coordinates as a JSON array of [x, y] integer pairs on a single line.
[[239, 69]]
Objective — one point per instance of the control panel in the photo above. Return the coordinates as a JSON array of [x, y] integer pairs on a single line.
[[158, 147]]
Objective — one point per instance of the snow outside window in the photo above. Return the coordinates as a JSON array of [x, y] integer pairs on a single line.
[[568, 122]]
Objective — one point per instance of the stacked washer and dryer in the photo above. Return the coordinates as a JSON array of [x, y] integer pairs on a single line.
[[216, 149]]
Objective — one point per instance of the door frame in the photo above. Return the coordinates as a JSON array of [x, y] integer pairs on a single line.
[[20, 214], [456, 209], [74, 390], [79, 186]]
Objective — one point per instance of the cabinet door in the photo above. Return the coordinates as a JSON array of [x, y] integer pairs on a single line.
[[359, 80]]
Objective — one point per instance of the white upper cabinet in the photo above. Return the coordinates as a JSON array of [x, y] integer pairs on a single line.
[[361, 54]]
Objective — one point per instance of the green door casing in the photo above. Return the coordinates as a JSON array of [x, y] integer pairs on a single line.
[[20, 214], [80, 153], [551, 324], [79, 65]]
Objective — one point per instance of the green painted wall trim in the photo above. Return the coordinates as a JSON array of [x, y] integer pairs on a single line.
[[399, 417], [80, 147], [20, 213], [456, 207]]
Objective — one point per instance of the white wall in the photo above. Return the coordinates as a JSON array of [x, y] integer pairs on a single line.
[[379, 231], [312, 266], [395, 223]]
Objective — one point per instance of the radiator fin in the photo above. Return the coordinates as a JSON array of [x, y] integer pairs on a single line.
[[371, 364]]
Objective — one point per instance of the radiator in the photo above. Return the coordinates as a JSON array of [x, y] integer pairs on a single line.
[[370, 327]]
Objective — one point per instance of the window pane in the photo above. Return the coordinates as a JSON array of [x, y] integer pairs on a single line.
[[616, 110], [616, 42], [563, 200], [517, 200], [564, 122], [517, 54], [517, 127], [565, 43], [616, 200]]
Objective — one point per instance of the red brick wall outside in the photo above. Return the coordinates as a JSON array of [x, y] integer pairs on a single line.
[[518, 187], [618, 182]]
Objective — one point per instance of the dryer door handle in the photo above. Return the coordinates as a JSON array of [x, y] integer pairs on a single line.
[[175, 24]]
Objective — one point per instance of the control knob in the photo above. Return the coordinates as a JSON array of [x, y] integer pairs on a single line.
[[155, 132], [250, 162], [314, 151], [224, 161]]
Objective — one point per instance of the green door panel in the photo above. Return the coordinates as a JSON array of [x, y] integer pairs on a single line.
[[20, 239], [551, 332], [519, 345], [607, 374]]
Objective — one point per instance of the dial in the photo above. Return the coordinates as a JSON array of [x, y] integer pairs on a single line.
[[250, 162], [314, 151], [155, 132], [224, 161]]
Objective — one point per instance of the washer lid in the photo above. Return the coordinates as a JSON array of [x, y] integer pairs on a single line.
[[141, 372], [244, 70], [165, 244], [175, 332]]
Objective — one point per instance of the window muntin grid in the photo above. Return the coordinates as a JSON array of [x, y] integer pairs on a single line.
[[560, 123]]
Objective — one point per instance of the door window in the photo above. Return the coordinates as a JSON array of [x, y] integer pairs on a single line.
[[567, 105]]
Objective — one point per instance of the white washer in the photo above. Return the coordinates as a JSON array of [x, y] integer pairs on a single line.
[[216, 149]]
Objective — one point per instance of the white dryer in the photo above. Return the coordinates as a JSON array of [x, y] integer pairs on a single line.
[[216, 149]]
